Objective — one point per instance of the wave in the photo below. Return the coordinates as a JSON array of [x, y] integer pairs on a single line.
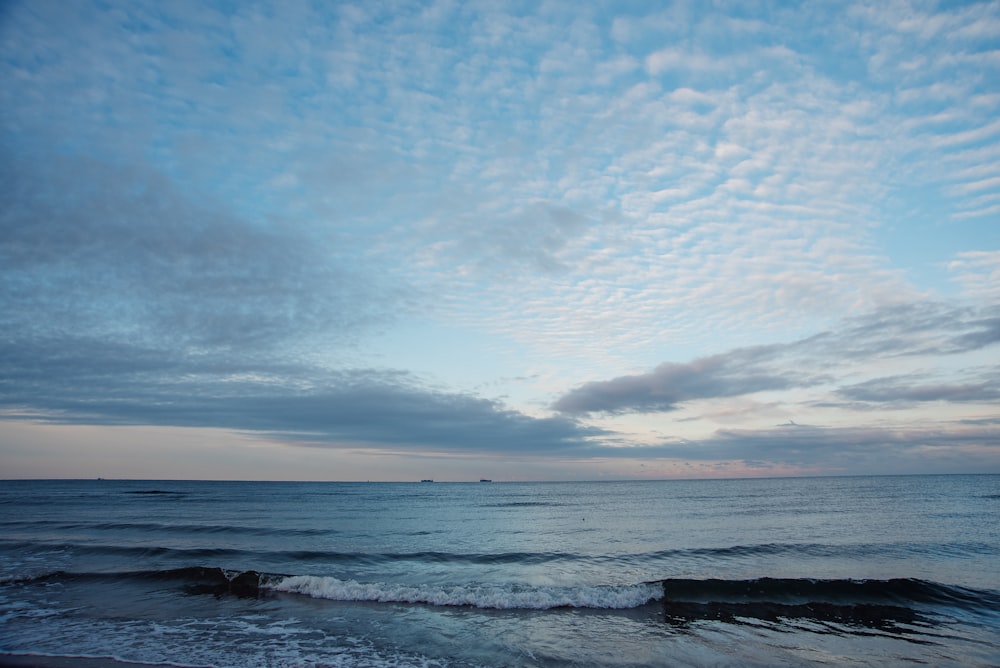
[[220, 582], [801, 590], [522, 504], [497, 597], [159, 527], [171, 546], [302, 556], [669, 556], [435, 557], [868, 602], [760, 598], [154, 492], [874, 604], [192, 579], [856, 550]]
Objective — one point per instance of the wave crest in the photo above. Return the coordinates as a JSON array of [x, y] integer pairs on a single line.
[[499, 597]]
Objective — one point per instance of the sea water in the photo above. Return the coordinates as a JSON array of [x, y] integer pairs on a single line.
[[806, 571]]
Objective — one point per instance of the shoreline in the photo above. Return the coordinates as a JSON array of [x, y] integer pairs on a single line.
[[50, 661]]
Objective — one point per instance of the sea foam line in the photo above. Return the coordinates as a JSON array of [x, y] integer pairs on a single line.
[[499, 597]]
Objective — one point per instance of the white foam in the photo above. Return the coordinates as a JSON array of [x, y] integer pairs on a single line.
[[500, 597], [248, 642]]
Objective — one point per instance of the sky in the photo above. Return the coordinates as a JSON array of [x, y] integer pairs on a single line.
[[536, 240]]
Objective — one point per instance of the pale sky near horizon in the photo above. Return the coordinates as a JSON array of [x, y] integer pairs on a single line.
[[515, 240]]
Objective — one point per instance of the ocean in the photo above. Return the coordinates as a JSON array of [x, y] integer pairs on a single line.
[[863, 571]]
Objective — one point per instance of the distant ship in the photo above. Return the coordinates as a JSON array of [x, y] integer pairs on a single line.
[[485, 480], [426, 480]]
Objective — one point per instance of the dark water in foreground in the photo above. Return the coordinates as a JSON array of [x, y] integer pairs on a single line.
[[873, 571]]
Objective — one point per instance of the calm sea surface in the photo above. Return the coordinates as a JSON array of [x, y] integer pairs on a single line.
[[873, 571]]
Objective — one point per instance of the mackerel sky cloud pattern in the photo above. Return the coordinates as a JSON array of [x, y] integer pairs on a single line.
[[555, 240]]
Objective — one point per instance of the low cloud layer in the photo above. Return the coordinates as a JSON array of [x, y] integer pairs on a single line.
[[905, 390], [911, 330], [736, 373], [942, 447], [80, 381]]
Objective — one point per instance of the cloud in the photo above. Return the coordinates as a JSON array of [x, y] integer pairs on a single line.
[[910, 329], [529, 238], [120, 252], [907, 390], [979, 273], [668, 385], [84, 381], [130, 302], [489, 167], [916, 329], [208, 211], [920, 448]]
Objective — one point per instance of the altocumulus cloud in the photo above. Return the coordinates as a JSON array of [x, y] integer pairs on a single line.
[[112, 252]]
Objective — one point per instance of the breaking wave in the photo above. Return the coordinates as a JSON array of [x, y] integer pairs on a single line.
[[763, 598], [499, 597]]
